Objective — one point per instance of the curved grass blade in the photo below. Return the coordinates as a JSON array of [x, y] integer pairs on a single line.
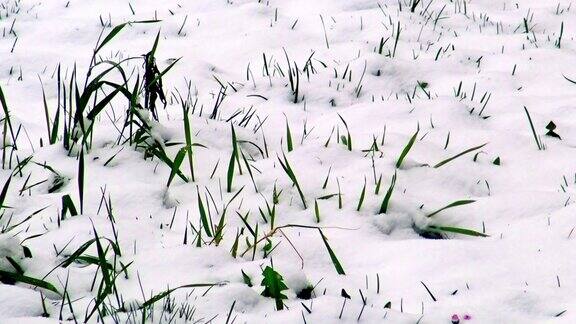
[[459, 155], [167, 292], [454, 204], [29, 280]]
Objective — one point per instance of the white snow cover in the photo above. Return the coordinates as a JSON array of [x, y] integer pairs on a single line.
[[458, 72]]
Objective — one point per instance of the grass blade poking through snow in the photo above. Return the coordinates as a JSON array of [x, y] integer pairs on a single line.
[[81, 181], [274, 285], [459, 155], [16, 277], [454, 204], [289, 144], [406, 150], [176, 165], [203, 217], [348, 139], [233, 158], [167, 292], [386, 201], [457, 230], [4, 193], [188, 135], [333, 257], [533, 130], [7, 119], [286, 166], [362, 194]]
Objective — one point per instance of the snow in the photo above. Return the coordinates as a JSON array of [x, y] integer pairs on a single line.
[[521, 273]]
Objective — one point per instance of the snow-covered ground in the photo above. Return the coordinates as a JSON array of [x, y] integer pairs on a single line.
[[364, 101]]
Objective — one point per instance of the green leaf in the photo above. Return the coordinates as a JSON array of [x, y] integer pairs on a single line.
[[81, 181], [203, 216], [29, 280], [15, 265], [406, 149], [175, 168], [459, 155], [7, 116], [246, 279], [288, 170], [386, 201], [68, 206], [288, 137], [110, 36], [454, 204], [4, 192], [117, 30], [167, 292], [159, 76], [333, 257], [230, 174], [274, 285], [458, 230], [362, 194]]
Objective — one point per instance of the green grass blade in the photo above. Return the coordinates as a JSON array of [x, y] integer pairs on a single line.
[[335, 262], [167, 292], [454, 204], [230, 174], [386, 201], [457, 230], [459, 155], [362, 194], [4, 193], [203, 216], [532, 128], [81, 181], [29, 280], [406, 150], [7, 116], [175, 168], [188, 136], [289, 144], [68, 206], [288, 170]]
